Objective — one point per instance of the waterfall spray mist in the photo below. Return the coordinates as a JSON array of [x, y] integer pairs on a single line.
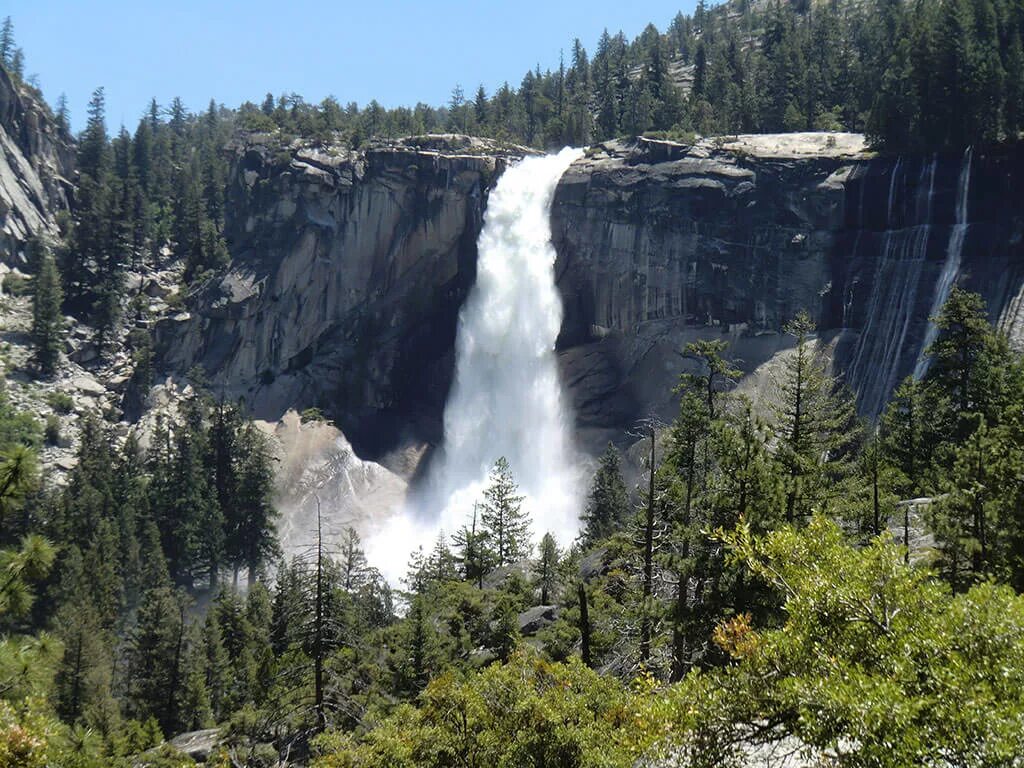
[[506, 399]]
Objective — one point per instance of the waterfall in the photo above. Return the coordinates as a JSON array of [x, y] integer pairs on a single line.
[[506, 399], [879, 352], [954, 252]]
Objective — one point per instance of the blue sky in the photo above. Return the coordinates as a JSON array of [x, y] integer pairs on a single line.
[[396, 52]]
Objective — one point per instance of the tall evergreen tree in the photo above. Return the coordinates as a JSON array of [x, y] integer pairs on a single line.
[[507, 525], [257, 514], [47, 318], [7, 44], [608, 504], [157, 655], [547, 568], [815, 424], [472, 552]]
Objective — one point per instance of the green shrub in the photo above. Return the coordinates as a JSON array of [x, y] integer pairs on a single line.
[[312, 414], [61, 402], [52, 431], [17, 285]]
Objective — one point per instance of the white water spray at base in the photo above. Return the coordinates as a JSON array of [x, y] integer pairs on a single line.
[[506, 399]]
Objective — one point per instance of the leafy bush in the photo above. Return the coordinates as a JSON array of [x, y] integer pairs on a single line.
[[527, 713], [876, 658]]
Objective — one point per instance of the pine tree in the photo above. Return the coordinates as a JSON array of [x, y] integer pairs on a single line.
[[83, 682], [502, 518], [420, 646], [196, 709], [90, 495], [473, 553], [257, 514], [968, 364], [157, 653], [7, 45], [47, 319], [290, 607], [815, 425], [18, 66], [62, 114], [747, 484], [104, 586], [505, 627], [93, 148], [965, 519], [902, 436], [189, 520], [441, 565], [355, 570], [546, 568], [19, 473], [214, 664], [608, 505], [877, 481]]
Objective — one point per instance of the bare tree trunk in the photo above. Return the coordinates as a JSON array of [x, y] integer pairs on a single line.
[[172, 692], [906, 534], [645, 622], [584, 624], [318, 647]]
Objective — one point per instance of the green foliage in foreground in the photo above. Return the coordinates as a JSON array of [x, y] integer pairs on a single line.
[[876, 664], [528, 712]]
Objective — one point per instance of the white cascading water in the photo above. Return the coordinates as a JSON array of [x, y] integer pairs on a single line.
[[954, 252], [506, 399], [893, 296]]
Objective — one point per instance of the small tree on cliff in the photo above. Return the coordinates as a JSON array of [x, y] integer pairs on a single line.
[[506, 524]]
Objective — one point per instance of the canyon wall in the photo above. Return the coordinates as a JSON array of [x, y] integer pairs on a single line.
[[660, 244], [36, 161], [349, 269]]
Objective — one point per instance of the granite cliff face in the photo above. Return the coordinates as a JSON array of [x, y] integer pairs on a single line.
[[349, 269], [36, 160], [660, 244], [348, 272]]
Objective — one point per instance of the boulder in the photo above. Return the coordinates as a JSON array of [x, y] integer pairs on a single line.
[[198, 745], [155, 290], [85, 352], [533, 620], [88, 386], [67, 463], [593, 564]]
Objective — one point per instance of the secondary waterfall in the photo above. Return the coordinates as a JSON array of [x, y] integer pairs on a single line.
[[879, 353], [954, 251], [506, 399]]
